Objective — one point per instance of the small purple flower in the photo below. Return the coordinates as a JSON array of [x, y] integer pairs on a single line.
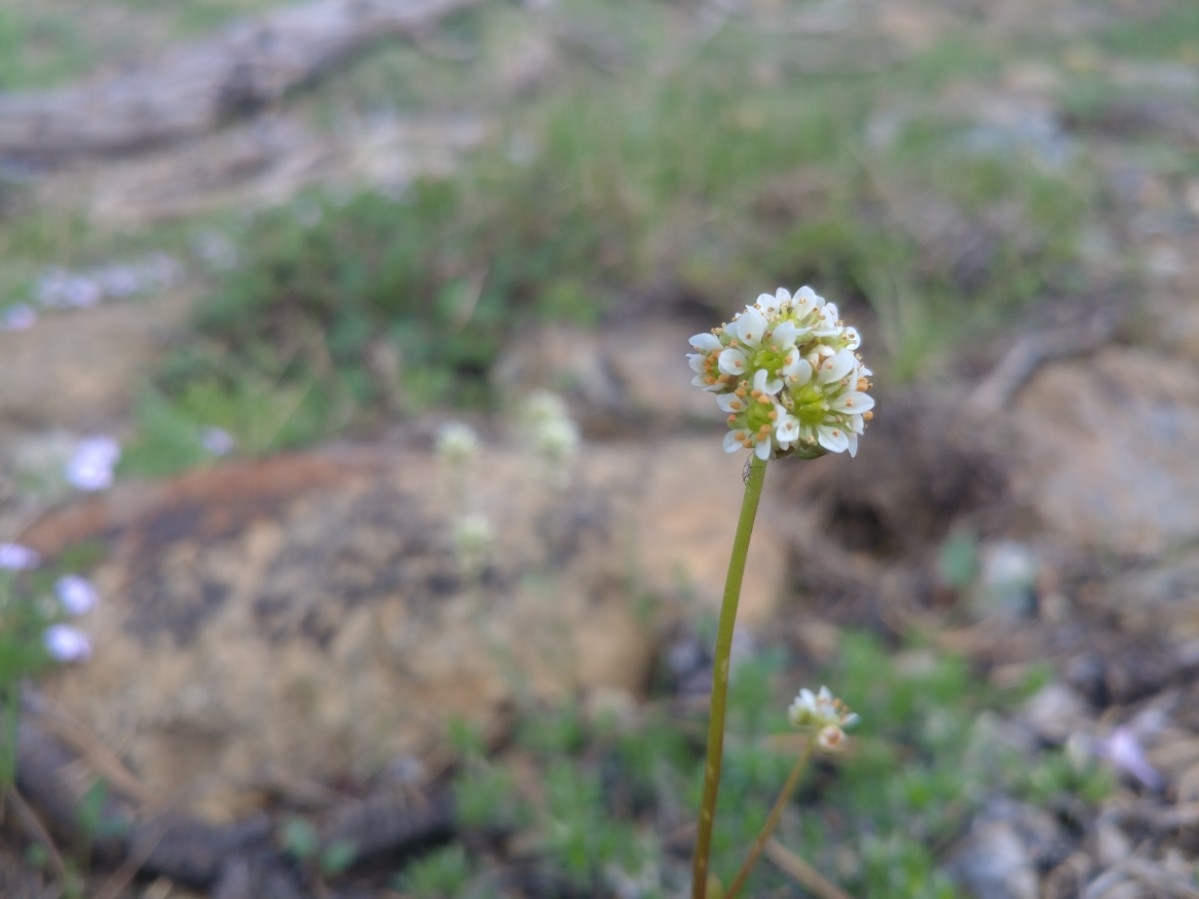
[[15, 557], [91, 466], [20, 317], [118, 281], [59, 289], [67, 644], [217, 441], [77, 594], [1123, 750]]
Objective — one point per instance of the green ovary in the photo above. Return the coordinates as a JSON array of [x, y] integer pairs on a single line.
[[758, 414], [810, 407], [769, 358]]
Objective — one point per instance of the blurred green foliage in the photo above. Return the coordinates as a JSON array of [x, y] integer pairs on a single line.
[[879, 820], [663, 162]]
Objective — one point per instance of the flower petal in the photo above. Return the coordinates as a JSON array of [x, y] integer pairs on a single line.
[[836, 367], [763, 383], [854, 402], [783, 336], [796, 369], [706, 341], [835, 440], [735, 440], [750, 326], [733, 362], [786, 430], [731, 403]]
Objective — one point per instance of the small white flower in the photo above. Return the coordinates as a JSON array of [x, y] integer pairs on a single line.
[[786, 372], [541, 406], [473, 537], [20, 317], [823, 713], [547, 429], [67, 644], [831, 738], [76, 594], [457, 443], [93, 462], [557, 440], [15, 557], [217, 441]]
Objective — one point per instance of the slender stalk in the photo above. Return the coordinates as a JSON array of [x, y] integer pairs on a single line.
[[720, 676], [772, 820]]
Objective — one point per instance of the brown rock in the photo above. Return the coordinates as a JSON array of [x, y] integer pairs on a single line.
[[304, 617], [1107, 447]]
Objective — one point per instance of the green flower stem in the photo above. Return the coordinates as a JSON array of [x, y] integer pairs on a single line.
[[720, 676], [772, 820]]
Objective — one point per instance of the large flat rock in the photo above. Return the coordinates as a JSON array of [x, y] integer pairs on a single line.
[[1107, 448], [304, 617]]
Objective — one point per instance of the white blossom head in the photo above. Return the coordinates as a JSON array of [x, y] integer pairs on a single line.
[[824, 714], [787, 372], [67, 644], [473, 537], [457, 443], [546, 428]]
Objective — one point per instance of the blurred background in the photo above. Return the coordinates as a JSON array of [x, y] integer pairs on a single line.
[[361, 533]]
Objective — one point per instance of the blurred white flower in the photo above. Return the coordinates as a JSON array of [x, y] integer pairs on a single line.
[[823, 713], [92, 464], [786, 371], [15, 557], [473, 536], [457, 443], [1124, 752], [76, 594], [67, 644], [20, 317], [59, 288], [831, 738], [217, 441], [541, 406], [556, 440], [547, 429]]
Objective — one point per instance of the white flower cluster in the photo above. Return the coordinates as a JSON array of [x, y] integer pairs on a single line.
[[548, 426], [786, 372], [548, 430], [471, 534], [473, 537], [457, 443], [823, 713]]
